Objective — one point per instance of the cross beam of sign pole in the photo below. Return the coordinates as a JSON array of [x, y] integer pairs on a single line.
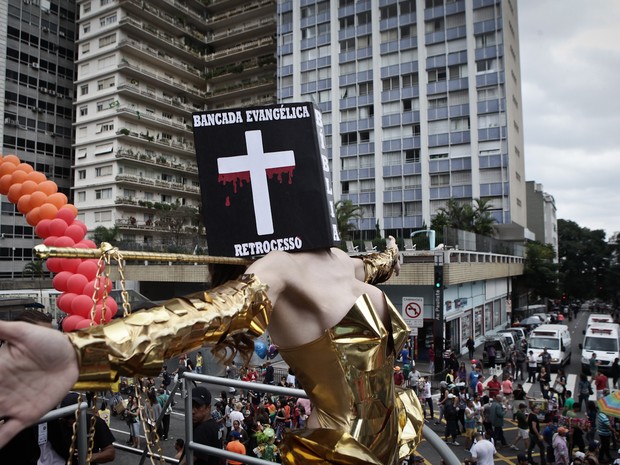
[[257, 162]]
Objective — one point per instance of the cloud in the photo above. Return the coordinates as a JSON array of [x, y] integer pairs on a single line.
[[570, 59]]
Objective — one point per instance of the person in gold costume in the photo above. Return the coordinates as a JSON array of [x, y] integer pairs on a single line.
[[338, 332]]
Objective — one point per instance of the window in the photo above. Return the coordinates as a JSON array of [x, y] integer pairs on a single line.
[[86, 47], [106, 62], [105, 104], [365, 88], [410, 80], [107, 40], [81, 196], [86, 7], [347, 21], [412, 156], [103, 171], [101, 194], [440, 102], [440, 180], [103, 216], [347, 45], [83, 110], [84, 89], [348, 138], [107, 20], [105, 83], [485, 66], [81, 153], [86, 28], [81, 174], [105, 127], [459, 124], [436, 75], [392, 83]]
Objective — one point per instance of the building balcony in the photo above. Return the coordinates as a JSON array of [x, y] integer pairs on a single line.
[[233, 90], [172, 104], [242, 32], [254, 66], [160, 184], [167, 145], [142, 115], [242, 51], [216, 7], [150, 33], [131, 224], [243, 12], [157, 159], [164, 19], [192, 14]]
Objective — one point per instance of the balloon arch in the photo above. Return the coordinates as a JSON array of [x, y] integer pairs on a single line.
[[84, 290]]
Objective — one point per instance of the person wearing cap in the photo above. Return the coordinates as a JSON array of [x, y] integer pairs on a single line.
[[399, 378], [579, 457], [560, 448], [591, 457], [451, 416], [206, 429], [235, 445]]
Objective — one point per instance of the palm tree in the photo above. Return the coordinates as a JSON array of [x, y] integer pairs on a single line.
[[345, 212], [36, 269], [484, 222], [103, 234]]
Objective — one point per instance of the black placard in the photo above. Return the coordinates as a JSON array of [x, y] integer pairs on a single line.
[[264, 178]]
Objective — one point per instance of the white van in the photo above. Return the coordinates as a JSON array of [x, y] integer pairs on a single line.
[[598, 318], [602, 339], [556, 339]]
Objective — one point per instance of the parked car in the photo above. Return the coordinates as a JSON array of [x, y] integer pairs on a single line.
[[511, 337], [502, 349]]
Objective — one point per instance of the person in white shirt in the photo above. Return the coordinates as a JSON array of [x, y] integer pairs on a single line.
[[482, 452], [414, 379], [531, 367]]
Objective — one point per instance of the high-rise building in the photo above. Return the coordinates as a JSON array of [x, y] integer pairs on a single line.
[[142, 69], [421, 100], [38, 40], [541, 215]]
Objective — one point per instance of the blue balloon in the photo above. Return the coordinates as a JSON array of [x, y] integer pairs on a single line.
[[260, 348]]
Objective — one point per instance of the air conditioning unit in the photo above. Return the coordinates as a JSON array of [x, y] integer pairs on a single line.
[[43, 89], [26, 2], [40, 110], [34, 64], [61, 33], [52, 92], [45, 29], [60, 96], [9, 121]]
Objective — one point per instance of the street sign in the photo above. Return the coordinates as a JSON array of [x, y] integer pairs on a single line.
[[414, 332], [413, 311]]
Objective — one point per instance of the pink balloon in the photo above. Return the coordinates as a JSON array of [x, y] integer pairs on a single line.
[[89, 289], [111, 304], [70, 322], [76, 283], [65, 301], [43, 228], [89, 268], [88, 243], [70, 264], [107, 315], [66, 215], [82, 305], [50, 241], [81, 225], [75, 232], [58, 227], [60, 281], [64, 241], [85, 323], [54, 264]]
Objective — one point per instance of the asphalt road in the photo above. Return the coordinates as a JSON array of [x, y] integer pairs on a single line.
[[506, 456]]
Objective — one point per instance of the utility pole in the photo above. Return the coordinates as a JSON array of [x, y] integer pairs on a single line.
[[438, 313]]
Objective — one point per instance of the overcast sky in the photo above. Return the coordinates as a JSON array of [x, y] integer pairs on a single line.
[[570, 69]]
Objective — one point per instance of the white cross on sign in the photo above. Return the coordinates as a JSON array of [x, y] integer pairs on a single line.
[[257, 162]]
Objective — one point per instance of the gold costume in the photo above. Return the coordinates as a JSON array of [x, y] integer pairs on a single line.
[[347, 373]]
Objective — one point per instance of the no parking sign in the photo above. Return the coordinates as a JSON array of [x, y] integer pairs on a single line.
[[413, 311]]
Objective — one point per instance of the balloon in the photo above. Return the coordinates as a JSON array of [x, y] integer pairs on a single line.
[[89, 269], [15, 192], [89, 289], [36, 176], [82, 305], [48, 210], [5, 183], [83, 324], [6, 168], [60, 281], [25, 167], [111, 305], [260, 348], [33, 216], [53, 264], [58, 227], [65, 301], [18, 176], [58, 199], [50, 241], [37, 199], [65, 214], [28, 187], [71, 207], [70, 264], [76, 283], [12, 159], [87, 243], [75, 232], [107, 315], [64, 241], [70, 322], [81, 225], [23, 204], [48, 187], [43, 228]]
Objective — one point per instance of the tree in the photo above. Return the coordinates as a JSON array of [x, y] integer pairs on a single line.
[[36, 270], [483, 221], [460, 215], [103, 234], [345, 213], [540, 272]]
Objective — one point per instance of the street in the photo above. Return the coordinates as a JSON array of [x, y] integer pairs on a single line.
[[505, 456]]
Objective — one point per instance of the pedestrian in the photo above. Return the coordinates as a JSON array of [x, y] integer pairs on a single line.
[[206, 429], [614, 372], [593, 364], [522, 428], [603, 426], [491, 355], [498, 411], [536, 438], [559, 386], [399, 378], [162, 398], [520, 359], [482, 452], [544, 378], [199, 362], [601, 383], [427, 398], [414, 378], [591, 457], [560, 448], [471, 346], [451, 416], [431, 359], [473, 376], [531, 367], [494, 387], [470, 423], [235, 445]]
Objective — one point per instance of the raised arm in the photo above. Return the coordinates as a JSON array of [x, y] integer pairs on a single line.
[[377, 267]]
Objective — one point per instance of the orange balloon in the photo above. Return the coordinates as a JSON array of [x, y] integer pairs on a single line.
[[25, 167], [18, 176], [28, 187], [36, 176], [37, 198], [48, 187], [6, 167], [34, 216], [59, 199], [5, 183], [12, 159], [15, 192], [71, 207], [23, 204], [48, 211]]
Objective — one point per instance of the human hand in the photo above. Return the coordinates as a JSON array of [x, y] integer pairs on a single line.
[[39, 366]]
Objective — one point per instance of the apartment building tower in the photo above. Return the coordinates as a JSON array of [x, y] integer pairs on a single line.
[[421, 100]]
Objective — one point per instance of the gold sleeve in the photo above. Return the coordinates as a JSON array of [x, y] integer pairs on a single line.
[[378, 266], [141, 342]]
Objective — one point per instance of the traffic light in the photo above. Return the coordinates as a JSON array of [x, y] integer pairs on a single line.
[[438, 277]]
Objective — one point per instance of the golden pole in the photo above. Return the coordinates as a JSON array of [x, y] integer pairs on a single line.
[[44, 252]]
